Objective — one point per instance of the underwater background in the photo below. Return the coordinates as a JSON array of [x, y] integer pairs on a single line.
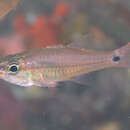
[[102, 102]]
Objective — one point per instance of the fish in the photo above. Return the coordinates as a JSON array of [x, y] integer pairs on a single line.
[[6, 6], [45, 67]]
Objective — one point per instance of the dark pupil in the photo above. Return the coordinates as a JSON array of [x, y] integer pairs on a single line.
[[13, 68], [116, 58]]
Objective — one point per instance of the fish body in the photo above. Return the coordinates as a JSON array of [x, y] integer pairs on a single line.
[[47, 66], [6, 6]]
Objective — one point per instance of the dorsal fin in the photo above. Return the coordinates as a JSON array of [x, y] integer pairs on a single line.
[[80, 41], [56, 46]]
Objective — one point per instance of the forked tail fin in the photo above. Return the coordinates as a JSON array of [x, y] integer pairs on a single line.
[[122, 56]]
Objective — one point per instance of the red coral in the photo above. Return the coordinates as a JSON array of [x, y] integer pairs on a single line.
[[45, 31]]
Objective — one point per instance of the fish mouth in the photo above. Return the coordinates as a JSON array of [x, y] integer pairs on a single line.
[[2, 74]]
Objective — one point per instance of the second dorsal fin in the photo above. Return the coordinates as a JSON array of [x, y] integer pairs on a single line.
[[80, 41]]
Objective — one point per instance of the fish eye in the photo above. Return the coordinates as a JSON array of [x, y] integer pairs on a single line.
[[13, 68], [116, 58]]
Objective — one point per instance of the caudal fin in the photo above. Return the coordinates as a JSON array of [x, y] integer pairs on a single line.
[[122, 56]]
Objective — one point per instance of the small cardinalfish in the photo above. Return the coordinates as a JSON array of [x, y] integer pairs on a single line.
[[6, 6], [47, 66]]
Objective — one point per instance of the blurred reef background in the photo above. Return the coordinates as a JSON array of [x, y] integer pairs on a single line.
[[103, 102]]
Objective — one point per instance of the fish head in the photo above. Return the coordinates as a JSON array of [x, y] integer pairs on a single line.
[[11, 71]]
